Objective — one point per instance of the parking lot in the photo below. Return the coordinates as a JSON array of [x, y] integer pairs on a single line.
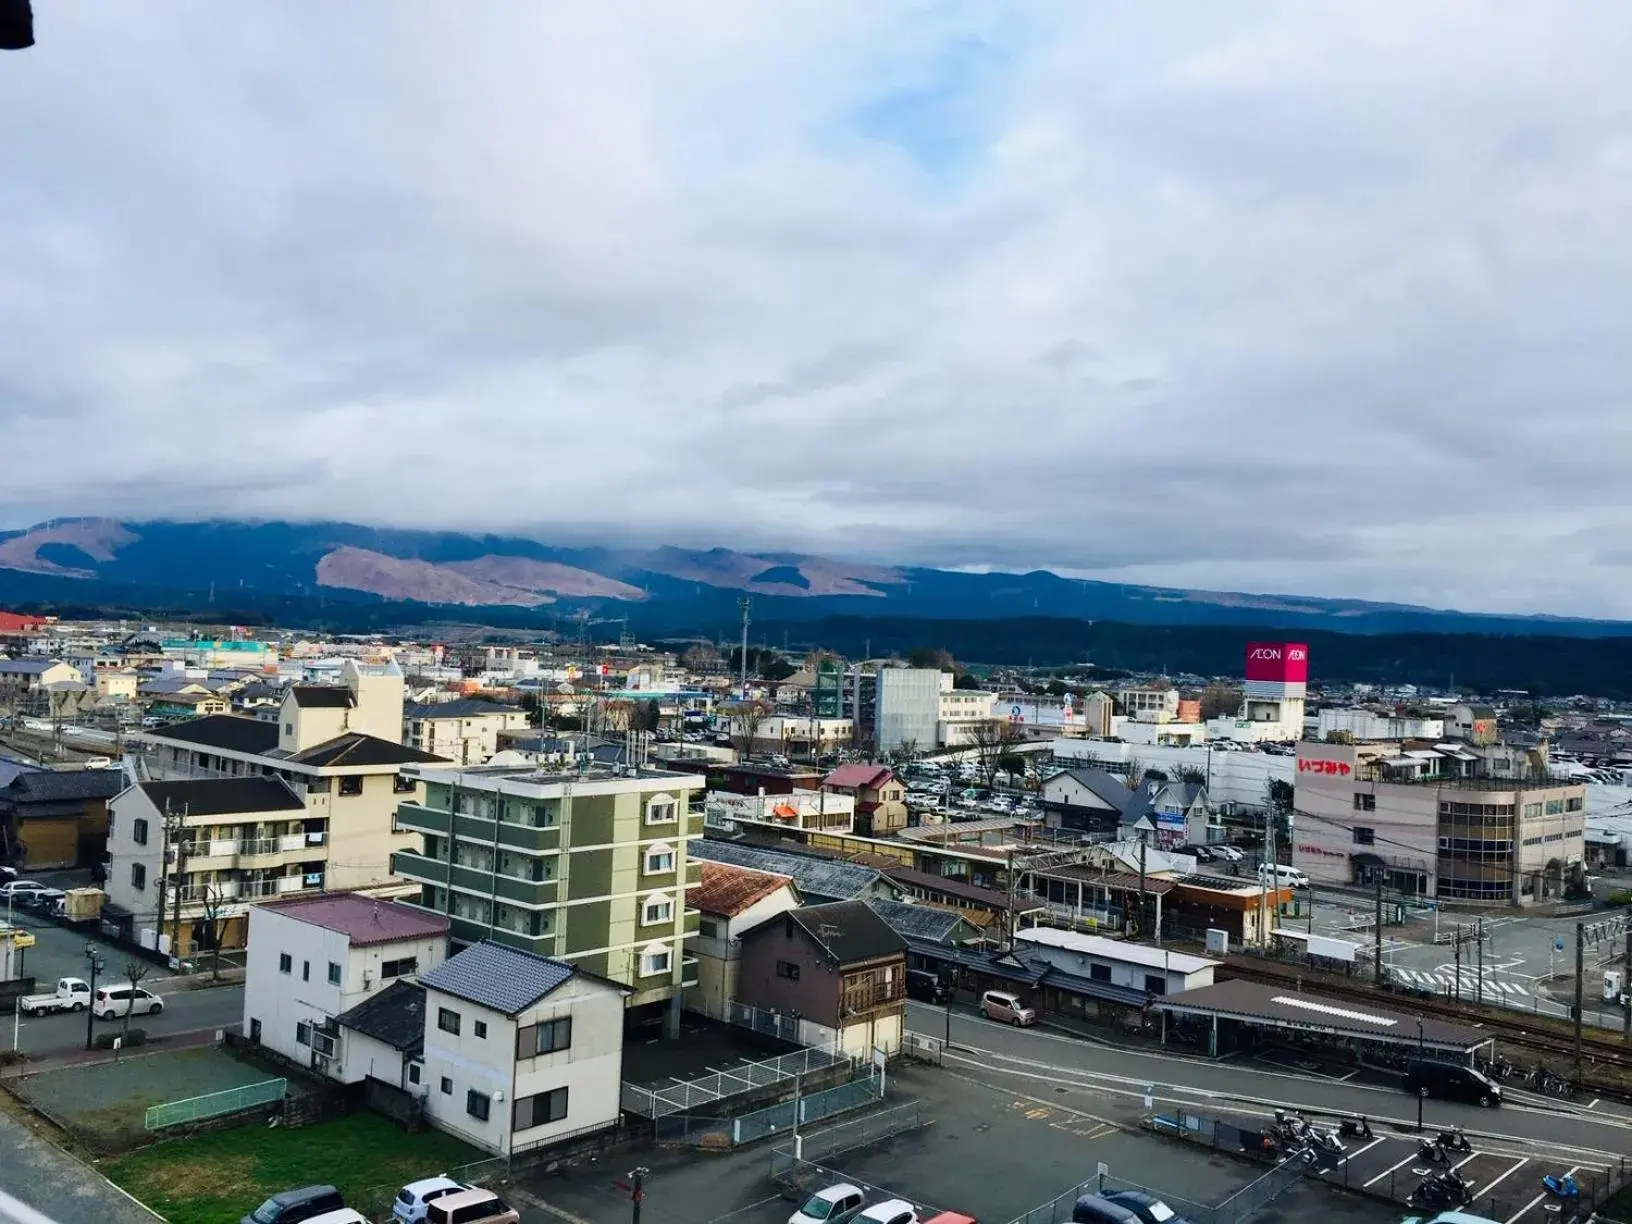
[[59, 951], [988, 1153]]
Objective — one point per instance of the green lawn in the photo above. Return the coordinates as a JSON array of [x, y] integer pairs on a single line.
[[217, 1178]]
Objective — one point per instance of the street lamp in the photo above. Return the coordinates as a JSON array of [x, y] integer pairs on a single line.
[[90, 1004], [1420, 1053]]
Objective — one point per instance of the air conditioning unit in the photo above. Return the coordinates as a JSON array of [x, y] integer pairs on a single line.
[[323, 1043]]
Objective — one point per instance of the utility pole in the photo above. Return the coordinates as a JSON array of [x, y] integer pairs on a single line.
[[177, 876], [1377, 937], [1456, 943], [1141, 882], [1626, 989], [637, 1192], [744, 603], [1580, 977], [1479, 949]]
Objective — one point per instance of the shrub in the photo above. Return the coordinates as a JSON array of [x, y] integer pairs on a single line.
[[136, 1037], [1621, 897]]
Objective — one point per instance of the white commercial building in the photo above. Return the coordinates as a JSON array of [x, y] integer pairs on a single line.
[[1361, 724], [521, 1051], [909, 707], [312, 958], [1152, 970]]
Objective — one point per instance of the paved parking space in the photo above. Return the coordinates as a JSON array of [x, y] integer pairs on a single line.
[[60, 952]]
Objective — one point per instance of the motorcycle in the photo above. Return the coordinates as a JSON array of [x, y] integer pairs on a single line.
[[1446, 1188], [1355, 1127], [1325, 1141], [1454, 1139], [1431, 1151], [1561, 1186]]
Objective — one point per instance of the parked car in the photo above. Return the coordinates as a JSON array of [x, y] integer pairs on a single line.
[[45, 899], [1452, 1082], [1003, 1006], [890, 1211], [412, 1200], [1203, 854], [294, 1206], [1232, 854], [473, 1206], [831, 1205], [925, 986], [19, 891], [1284, 876], [951, 1217], [1097, 1209], [344, 1215], [71, 994], [112, 1001], [1147, 1207]]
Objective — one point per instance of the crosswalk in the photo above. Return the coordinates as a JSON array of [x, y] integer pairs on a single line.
[[1444, 982]]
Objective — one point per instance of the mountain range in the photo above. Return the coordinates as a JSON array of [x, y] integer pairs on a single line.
[[282, 569]]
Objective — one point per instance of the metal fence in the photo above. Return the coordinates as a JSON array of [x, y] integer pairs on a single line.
[[214, 1104], [794, 1030], [772, 1120], [720, 1085], [845, 1137], [1244, 1202], [921, 1047]]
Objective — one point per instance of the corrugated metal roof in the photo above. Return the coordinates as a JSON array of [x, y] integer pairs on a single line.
[[926, 922], [816, 879]]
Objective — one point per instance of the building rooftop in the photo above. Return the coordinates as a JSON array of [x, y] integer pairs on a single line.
[[847, 932], [227, 732], [510, 777], [363, 920], [323, 696], [355, 749], [1114, 949], [925, 922], [466, 708], [857, 775], [222, 796], [817, 879], [59, 785], [26, 667], [727, 890], [973, 894], [395, 1017], [505, 979]]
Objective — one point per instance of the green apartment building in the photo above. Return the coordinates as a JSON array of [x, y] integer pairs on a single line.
[[588, 865]]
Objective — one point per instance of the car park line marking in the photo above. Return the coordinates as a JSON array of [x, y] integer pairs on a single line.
[[1517, 1165], [1595, 1101], [1513, 1219], [1361, 1152], [1464, 1161], [1409, 1158], [532, 1200]]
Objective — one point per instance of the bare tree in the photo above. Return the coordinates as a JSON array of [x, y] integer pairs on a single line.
[[214, 903], [135, 971], [1220, 701], [991, 738], [748, 717]]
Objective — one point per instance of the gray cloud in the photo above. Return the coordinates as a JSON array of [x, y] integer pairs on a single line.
[[1320, 299]]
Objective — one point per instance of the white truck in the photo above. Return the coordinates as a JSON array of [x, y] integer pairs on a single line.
[[72, 994]]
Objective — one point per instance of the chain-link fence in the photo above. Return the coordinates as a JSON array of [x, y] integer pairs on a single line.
[[1243, 1203], [772, 1120], [799, 1175], [720, 1085], [215, 1104]]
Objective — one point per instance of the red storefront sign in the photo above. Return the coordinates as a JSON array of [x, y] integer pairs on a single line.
[[1340, 769], [1278, 662]]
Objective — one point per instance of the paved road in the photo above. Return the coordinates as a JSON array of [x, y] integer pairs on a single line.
[[1084, 1072], [185, 1011], [49, 1180]]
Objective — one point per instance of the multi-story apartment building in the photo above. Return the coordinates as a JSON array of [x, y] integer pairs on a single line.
[[336, 749], [1149, 704], [588, 865], [1435, 821], [909, 707], [466, 732]]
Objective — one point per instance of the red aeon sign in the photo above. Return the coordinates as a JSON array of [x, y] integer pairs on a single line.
[[1280, 662], [1338, 769]]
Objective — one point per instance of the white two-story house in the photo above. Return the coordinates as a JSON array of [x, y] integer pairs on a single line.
[[520, 1050]]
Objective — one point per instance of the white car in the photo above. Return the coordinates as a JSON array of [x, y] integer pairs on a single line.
[[412, 1200], [834, 1205], [890, 1211], [112, 1001], [1227, 852]]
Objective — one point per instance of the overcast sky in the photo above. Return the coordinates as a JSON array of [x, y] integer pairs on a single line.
[[1322, 298]]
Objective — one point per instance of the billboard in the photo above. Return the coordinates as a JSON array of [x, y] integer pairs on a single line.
[[1278, 662]]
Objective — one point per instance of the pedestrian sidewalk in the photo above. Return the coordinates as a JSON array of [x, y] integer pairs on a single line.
[[201, 980], [96, 1058]]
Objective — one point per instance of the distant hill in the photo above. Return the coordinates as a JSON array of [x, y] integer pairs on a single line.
[[274, 569]]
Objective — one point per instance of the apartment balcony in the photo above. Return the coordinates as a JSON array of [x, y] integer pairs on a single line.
[[688, 971], [422, 869], [421, 819], [257, 853], [471, 930]]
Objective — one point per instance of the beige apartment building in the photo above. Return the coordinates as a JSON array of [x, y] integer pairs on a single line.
[[335, 748], [1435, 821], [464, 731]]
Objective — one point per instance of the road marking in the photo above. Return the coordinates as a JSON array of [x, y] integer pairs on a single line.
[[1409, 1158], [1517, 1165], [1361, 1152], [532, 1200], [1462, 1162], [1513, 1219]]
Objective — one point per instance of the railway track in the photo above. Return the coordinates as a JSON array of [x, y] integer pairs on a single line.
[[1598, 1053]]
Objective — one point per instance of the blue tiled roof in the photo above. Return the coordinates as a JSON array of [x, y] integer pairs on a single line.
[[506, 979]]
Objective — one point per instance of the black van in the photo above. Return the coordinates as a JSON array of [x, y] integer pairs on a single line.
[[1451, 1082], [1094, 1209], [925, 986], [292, 1206]]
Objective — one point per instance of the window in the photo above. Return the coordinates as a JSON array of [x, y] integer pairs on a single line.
[[479, 1028], [539, 1109], [303, 1033], [1099, 973], [399, 968], [413, 1073], [401, 784], [478, 1105], [662, 810], [1574, 804], [1364, 836], [138, 831], [351, 786], [655, 962], [787, 970], [1155, 983], [286, 963], [138, 876], [334, 973], [547, 1038], [305, 971], [659, 860], [255, 1031], [447, 1020], [447, 1086], [657, 909], [1365, 803], [288, 728], [708, 928]]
